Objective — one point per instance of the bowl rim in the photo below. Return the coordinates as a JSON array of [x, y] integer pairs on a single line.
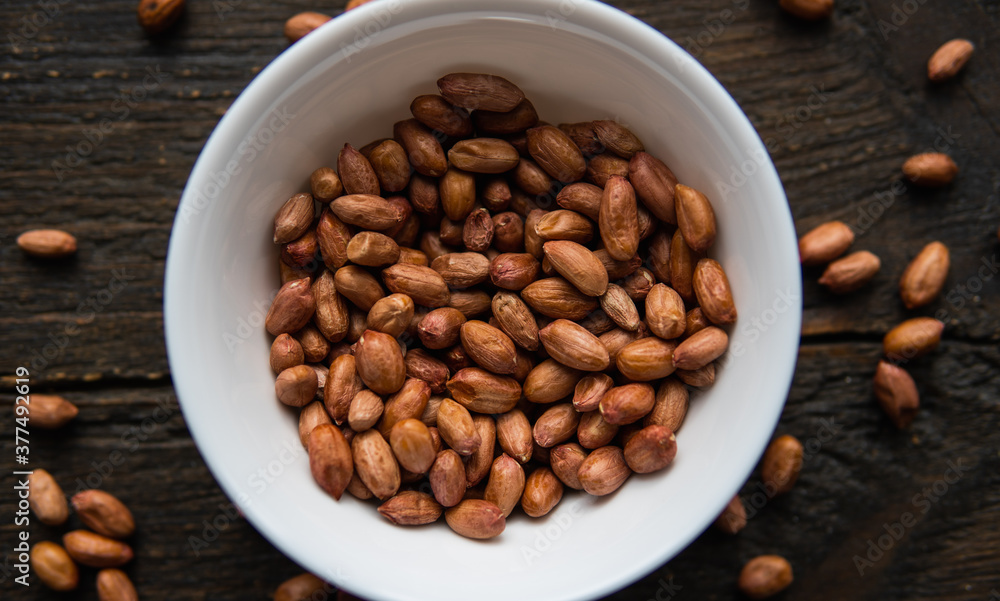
[[295, 62]]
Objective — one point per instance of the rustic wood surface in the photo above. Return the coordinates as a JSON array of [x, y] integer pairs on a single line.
[[841, 104]]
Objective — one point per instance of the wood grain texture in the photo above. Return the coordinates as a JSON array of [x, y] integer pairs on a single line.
[[840, 104]]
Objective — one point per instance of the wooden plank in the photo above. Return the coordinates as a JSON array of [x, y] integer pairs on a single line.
[[86, 348], [132, 442], [839, 159], [859, 472], [834, 159]]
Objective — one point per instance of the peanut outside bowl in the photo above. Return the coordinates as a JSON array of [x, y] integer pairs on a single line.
[[349, 81]]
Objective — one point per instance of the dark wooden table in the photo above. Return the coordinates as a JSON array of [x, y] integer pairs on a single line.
[[841, 104]]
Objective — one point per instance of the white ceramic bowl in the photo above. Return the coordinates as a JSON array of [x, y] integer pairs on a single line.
[[349, 81]]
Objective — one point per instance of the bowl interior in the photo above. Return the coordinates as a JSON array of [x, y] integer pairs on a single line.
[[348, 82]]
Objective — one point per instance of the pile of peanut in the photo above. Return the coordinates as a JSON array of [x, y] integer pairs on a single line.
[[108, 522], [101, 546], [485, 309]]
